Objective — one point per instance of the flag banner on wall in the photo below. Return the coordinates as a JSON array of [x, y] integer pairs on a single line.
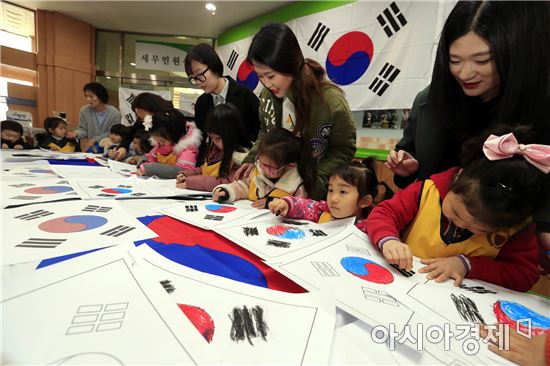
[[125, 98], [163, 56], [380, 53]]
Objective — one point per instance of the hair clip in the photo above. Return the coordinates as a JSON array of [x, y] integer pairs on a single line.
[[504, 187]]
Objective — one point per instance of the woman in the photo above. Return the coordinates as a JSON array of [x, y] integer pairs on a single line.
[[144, 106], [205, 69], [298, 97], [491, 67], [96, 118]]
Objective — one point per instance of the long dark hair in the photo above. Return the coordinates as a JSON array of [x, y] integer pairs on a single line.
[[282, 147], [170, 124], [151, 103], [276, 46], [518, 33], [501, 193], [225, 121], [362, 175]]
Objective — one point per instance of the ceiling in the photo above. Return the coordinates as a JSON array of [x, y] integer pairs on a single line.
[[184, 18]]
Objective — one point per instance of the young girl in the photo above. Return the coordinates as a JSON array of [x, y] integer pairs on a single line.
[[111, 144], [139, 146], [283, 168], [228, 147], [55, 137], [352, 189], [176, 145], [473, 222]]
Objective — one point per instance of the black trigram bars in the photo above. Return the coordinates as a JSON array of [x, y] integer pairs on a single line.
[[213, 217], [191, 208], [21, 185], [28, 198], [34, 215], [118, 231], [388, 20], [318, 36], [41, 243], [232, 59], [384, 79], [316, 232], [250, 231], [94, 208], [404, 272]]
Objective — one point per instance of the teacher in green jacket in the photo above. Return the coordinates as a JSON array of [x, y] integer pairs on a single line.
[[298, 97]]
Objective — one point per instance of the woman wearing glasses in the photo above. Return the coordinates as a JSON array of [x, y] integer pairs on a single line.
[[205, 70]]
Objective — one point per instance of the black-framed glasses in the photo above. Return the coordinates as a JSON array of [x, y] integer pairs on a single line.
[[200, 78]]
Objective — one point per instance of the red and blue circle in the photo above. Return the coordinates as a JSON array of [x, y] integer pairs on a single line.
[[72, 224], [116, 190], [213, 207], [367, 270], [349, 57], [515, 314], [286, 232], [247, 76], [48, 190]]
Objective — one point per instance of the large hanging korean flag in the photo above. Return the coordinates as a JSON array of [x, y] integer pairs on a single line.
[[380, 53]]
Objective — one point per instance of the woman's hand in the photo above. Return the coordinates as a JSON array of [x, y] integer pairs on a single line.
[[244, 171], [401, 163], [278, 207], [441, 269]]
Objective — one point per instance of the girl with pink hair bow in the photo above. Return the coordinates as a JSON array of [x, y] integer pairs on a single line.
[[474, 222]]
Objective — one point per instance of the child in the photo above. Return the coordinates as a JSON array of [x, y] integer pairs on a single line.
[[473, 222], [352, 189], [176, 145], [12, 135], [55, 137], [139, 146], [283, 168], [228, 147], [110, 145]]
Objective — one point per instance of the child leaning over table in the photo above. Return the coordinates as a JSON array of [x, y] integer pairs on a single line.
[[473, 222]]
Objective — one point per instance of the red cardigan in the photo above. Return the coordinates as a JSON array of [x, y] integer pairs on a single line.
[[515, 266]]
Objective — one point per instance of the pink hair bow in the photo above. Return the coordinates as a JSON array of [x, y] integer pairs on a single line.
[[506, 146]]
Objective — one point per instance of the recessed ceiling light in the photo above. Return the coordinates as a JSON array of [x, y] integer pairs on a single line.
[[210, 7], [133, 63]]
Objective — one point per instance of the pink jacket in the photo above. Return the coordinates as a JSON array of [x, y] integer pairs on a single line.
[[311, 210], [186, 150]]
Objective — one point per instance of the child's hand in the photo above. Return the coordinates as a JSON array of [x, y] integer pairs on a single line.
[[18, 147], [132, 160], [442, 269], [259, 203], [244, 171], [181, 178], [398, 253], [5, 146], [219, 195], [120, 153], [71, 135], [182, 185], [54, 148], [139, 173], [112, 154], [278, 207]]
